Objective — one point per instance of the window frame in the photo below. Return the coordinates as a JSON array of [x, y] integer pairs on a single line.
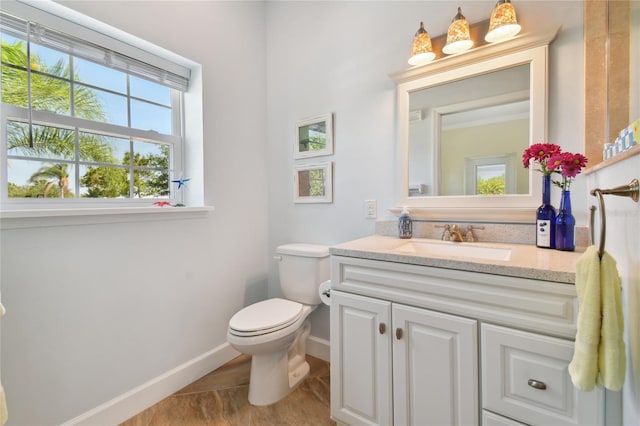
[[15, 113], [183, 146]]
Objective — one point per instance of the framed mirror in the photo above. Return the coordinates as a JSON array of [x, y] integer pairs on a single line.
[[463, 124], [313, 183], [314, 137]]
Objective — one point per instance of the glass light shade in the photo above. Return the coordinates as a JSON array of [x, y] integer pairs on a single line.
[[458, 38], [421, 49], [503, 23]]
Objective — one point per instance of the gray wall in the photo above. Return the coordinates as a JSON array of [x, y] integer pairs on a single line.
[[81, 335], [337, 57], [94, 311]]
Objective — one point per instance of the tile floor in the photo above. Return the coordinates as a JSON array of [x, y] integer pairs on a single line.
[[220, 398]]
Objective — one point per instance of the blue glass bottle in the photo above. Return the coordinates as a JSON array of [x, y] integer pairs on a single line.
[[565, 224], [546, 217]]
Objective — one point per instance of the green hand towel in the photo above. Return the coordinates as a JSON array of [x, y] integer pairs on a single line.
[[599, 351], [611, 355], [584, 365]]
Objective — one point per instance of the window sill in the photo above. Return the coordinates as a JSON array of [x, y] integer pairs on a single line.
[[16, 219]]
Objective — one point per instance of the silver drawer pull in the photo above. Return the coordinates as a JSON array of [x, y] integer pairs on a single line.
[[537, 385]]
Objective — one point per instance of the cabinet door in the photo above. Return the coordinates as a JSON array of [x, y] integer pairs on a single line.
[[360, 360], [435, 368]]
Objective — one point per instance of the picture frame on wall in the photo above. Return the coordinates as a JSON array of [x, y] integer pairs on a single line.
[[314, 137], [313, 183]]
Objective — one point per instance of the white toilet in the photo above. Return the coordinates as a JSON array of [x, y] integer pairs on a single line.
[[275, 331]]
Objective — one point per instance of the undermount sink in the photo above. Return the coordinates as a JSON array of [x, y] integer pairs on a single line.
[[451, 249]]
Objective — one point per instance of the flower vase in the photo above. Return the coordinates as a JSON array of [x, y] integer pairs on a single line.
[[565, 224], [546, 217]]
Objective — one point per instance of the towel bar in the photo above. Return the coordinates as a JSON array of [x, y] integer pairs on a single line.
[[631, 190]]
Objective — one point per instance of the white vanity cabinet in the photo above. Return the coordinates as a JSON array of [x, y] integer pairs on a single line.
[[420, 345], [419, 354]]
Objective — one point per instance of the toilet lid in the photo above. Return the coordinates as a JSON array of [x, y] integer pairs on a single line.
[[266, 315]]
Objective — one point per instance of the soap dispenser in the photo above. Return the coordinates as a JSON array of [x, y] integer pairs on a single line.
[[405, 224]]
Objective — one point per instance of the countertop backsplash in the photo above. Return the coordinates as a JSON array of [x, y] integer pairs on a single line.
[[510, 233]]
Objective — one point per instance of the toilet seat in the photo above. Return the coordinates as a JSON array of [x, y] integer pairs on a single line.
[[265, 317]]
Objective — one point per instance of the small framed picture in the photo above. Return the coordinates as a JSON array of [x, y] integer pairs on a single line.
[[314, 137], [313, 183]]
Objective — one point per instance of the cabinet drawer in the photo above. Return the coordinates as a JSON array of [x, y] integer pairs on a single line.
[[538, 306], [525, 377], [491, 419]]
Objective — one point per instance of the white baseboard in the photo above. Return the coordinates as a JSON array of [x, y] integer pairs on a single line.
[[144, 396], [318, 348]]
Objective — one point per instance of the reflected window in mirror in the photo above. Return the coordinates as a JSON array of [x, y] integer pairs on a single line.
[[496, 175], [490, 179]]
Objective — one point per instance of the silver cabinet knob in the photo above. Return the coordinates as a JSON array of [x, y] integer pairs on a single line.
[[537, 385]]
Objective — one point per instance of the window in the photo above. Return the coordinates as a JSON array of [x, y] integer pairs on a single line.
[[83, 124], [492, 175]]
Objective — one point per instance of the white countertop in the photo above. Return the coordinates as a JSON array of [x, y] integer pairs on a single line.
[[526, 261]]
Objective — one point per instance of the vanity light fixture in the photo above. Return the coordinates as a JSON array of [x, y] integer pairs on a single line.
[[503, 24], [421, 49], [458, 38]]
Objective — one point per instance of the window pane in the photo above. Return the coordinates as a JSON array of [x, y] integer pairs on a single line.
[[149, 154], [103, 149], [48, 141], [14, 86], [50, 94], [99, 75], [49, 61], [151, 184], [104, 182], [99, 105], [39, 179], [150, 91], [151, 177], [14, 50], [490, 179], [147, 116]]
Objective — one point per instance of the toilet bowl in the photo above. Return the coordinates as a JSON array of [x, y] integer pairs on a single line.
[[275, 331], [278, 355]]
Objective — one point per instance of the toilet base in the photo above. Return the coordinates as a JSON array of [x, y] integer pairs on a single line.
[[274, 375]]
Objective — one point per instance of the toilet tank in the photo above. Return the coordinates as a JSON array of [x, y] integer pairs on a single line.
[[303, 267]]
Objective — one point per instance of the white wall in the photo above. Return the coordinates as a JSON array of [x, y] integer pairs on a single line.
[[337, 57], [623, 243], [94, 311], [292, 60]]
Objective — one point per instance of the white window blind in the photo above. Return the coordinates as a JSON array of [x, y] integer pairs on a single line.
[[174, 75]]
